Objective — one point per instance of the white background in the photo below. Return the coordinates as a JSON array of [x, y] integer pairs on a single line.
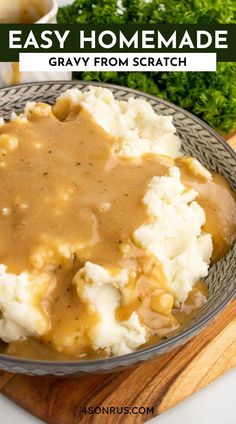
[[215, 404]]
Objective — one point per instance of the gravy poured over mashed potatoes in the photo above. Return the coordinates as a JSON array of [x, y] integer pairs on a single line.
[[105, 230]]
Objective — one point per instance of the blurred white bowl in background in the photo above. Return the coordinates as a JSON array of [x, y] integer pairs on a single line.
[[13, 11]]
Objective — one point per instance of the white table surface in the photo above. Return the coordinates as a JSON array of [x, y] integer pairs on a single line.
[[215, 404]]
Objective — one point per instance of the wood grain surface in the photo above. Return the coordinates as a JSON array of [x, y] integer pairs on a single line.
[[159, 384]]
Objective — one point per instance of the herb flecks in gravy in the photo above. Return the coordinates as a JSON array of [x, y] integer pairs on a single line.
[[65, 199]]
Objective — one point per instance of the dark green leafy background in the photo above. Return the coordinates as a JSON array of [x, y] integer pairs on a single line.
[[211, 96]]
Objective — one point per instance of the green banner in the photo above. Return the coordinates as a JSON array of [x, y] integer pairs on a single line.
[[56, 38]]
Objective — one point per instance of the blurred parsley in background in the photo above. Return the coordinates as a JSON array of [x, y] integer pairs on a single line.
[[209, 95]]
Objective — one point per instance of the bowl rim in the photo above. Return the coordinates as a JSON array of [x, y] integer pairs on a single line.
[[176, 339], [50, 14]]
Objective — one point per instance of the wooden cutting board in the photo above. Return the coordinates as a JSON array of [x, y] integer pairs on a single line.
[[159, 384]]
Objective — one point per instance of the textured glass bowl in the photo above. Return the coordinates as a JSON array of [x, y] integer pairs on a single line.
[[199, 141]]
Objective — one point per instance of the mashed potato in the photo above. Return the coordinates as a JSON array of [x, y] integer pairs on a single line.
[[175, 238], [103, 292], [172, 234], [139, 130], [23, 312]]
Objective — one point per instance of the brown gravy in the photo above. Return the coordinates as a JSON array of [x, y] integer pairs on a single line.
[[218, 202], [22, 11], [15, 67], [61, 185]]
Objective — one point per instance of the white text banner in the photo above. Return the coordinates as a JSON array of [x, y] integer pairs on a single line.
[[40, 62]]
